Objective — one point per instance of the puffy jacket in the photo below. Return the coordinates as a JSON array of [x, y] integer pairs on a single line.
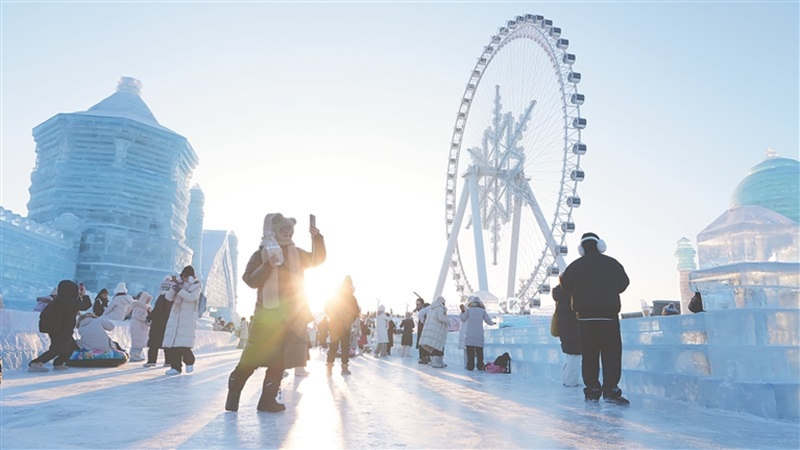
[[594, 282]]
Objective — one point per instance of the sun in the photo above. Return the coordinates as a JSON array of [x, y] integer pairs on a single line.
[[321, 285]]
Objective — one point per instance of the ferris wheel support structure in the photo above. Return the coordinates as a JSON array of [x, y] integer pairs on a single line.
[[522, 151]]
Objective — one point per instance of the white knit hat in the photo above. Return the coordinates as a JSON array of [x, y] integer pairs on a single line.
[[121, 289]]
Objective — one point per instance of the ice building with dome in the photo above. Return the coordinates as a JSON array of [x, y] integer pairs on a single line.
[[110, 201], [749, 257]]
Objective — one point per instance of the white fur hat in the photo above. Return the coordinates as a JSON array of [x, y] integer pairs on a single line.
[[121, 289], [145, 297]]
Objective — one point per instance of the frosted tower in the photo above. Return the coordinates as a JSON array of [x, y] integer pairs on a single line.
[[219, 272], [194, 228], [685, 255], [127, 178]]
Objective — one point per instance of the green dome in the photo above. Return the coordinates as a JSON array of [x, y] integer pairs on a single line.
[[773, 184]]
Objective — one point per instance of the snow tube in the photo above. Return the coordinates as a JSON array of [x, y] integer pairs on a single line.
[[97, 358]]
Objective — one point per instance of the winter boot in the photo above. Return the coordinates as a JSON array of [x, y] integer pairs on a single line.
[[235, 385], [267, 401], [37, 367], [438, 362], [329, 369], [345, 370], [592, 395], [615, 396]]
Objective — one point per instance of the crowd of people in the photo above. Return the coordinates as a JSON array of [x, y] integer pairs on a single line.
[[169, 325], [278, 335]]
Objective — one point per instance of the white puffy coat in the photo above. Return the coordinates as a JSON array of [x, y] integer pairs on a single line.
[[140, 330], [182, 321], [382, 328], [434, 333], [93, 333], [117, 307]]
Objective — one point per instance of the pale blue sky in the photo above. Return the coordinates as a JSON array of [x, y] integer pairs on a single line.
[[353, 104]]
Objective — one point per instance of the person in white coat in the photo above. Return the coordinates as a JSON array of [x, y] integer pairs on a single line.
[[92, 331], [382, 332], [179, 336], [138, 311], [474, 317], [434, 334], [118, 304]]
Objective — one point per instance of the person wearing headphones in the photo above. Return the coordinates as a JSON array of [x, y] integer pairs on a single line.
[[594, 282]]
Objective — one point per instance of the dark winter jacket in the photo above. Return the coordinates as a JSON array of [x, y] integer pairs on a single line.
[[342, 311], [594, 282], [100, 306], [567, 323], [408, 331], [158, 318], [278, 335], [68, 303]]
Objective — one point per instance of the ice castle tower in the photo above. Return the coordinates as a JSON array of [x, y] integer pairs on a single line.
[[751, 253], [127, 178]]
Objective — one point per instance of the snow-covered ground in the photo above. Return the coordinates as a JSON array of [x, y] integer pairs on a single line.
[[388, 403]]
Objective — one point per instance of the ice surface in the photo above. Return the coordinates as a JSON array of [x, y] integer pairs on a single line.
[[389, 403], [739, 360]]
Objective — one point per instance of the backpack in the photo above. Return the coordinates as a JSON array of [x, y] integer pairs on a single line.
[[696, 303], [50, 318]]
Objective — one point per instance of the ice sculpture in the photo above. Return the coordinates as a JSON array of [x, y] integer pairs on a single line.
[[127, 178]]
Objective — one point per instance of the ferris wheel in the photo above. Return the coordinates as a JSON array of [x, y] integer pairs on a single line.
[[515, 160]]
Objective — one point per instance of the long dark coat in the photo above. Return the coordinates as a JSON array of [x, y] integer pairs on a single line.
[[158, 322], [277, 336], [408, 332], [568, 330]]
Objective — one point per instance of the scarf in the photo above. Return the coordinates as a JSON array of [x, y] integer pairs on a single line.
[[269, 293]]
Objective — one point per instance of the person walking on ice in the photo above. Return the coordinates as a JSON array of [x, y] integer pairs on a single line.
[[276, 270], [594, 282], [179, 335], [434, 333]]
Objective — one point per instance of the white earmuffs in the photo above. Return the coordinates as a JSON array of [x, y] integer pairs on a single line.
[[601, 244]]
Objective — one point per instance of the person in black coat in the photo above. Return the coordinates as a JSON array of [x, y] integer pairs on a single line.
[[158, 318], [594, 282], [342, 311], [100, 303], [569, 335], [69, 300], [407, 340]]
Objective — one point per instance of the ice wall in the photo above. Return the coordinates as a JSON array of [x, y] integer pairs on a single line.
[[35, 257], [742, 360]]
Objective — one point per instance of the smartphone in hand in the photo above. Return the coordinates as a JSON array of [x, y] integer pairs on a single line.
[[312, 220]]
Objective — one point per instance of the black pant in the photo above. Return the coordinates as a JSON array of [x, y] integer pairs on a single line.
[[152, 354], [61, 347], [177, 356], [472, 353], [423, 354], [601, 341], [336, 342]]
